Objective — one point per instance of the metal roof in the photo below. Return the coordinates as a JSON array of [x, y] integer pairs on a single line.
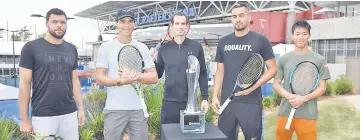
[[110, 7]]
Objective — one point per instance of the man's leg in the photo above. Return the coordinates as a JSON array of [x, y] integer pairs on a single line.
[[306, 129], [249, 117], [45, 125], [281, 132], [115, 123], [227, 122], [68, 128], [170, 112], [138, 127]]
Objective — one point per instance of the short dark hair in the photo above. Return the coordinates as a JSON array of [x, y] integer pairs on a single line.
[[240, 5], [301, 24], [179, 14], [55, 11]]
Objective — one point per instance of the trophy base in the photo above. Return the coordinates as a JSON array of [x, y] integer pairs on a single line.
[[192, 122]]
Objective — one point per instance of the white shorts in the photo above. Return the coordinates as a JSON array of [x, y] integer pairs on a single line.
[[64, 126]]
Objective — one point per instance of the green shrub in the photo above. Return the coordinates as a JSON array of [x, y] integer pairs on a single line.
[[95, 125], [86, 134], [329, 89], [9, 130], [267, 102], [276, 99], [154, 105], [343, 86], [95, 101]]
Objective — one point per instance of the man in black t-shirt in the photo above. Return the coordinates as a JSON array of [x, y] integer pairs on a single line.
[[50, 64], [245, 109]]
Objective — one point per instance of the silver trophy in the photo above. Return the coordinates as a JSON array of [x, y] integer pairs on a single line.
[[192, 120]]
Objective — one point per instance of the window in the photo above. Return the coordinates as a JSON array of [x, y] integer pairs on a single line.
[[6, 71], [351, 48]]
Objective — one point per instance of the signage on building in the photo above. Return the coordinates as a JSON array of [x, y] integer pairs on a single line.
[[164, 16]]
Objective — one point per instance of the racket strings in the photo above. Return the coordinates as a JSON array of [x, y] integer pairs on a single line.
[[250, 71], [304, 79], [130, 58]]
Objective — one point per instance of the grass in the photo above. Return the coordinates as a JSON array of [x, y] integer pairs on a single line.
[[337, 119]]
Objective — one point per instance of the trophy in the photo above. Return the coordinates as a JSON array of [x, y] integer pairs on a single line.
[[192, 120]]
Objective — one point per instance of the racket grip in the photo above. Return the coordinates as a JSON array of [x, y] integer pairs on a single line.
[[224, 105], [145, 112], [290, 117]]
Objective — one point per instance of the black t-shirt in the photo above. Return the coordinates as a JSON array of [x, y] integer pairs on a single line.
[[52, 66], [232, 52]]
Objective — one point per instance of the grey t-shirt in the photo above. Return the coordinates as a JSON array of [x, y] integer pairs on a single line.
[[52, 66], [286, 64], [232, 51], [120, 97]]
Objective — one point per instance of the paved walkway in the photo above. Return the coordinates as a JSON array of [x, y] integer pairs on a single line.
[[353, 99]]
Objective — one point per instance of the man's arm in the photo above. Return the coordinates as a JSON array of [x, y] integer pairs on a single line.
[[280, 90], [160, 63], [104, 80], [24, 93], [148, 77], [77, 90], [203, 79]]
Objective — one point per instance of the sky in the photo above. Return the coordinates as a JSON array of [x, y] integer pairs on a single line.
[[17, 14]]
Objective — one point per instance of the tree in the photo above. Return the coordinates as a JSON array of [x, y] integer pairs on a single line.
[[22, 35]]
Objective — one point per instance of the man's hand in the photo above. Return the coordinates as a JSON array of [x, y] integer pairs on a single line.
[[26, 128], [205, 105], [244, 92], [216, 105], [127, 76], [297, 101], [81, 117]]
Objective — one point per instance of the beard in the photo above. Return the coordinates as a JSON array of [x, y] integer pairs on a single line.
[[52, 33], [241, 28]]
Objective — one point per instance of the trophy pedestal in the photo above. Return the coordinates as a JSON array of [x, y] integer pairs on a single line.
[[192, 122]]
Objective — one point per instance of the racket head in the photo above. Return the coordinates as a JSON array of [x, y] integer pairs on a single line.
[[304, 78], [129, 57], [251, 71]]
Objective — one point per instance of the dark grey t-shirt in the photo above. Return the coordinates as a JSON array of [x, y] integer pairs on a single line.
[[232, 52], [52, 67]]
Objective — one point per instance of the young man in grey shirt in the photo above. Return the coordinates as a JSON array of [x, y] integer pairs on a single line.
[[123, 108]]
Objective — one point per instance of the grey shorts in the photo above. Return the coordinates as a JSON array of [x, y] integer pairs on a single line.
[[117, 121]]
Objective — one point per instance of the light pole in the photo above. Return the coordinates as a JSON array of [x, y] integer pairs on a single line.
[[13, 38], [262, 25]]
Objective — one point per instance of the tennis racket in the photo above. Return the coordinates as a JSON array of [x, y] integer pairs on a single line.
[[129, 57], [45, 137], [250, 72], [303, 80]]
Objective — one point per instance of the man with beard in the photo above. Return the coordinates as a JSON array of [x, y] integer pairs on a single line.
[[245, 109], [50, 63], [123, 109]]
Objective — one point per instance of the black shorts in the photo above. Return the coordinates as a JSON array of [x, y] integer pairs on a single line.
[[246, 115]]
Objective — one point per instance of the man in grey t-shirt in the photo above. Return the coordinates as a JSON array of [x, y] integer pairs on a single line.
[[245, 109], [123, 109]]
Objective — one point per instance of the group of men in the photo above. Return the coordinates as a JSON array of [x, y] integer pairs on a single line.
[[50, 64]]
